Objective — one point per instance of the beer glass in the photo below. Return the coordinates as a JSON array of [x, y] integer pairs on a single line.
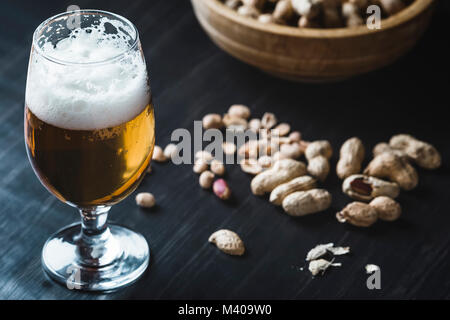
[[89, 133]]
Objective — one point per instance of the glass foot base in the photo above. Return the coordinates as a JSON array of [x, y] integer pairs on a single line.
[[61, 259]]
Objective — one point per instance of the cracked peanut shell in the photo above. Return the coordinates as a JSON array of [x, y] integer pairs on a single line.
[[366, 188]]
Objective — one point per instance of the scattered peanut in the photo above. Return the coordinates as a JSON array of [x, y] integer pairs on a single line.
[[423, 153], [359, 214], [292, 151], [240, 111], [317, 153], [301, 203], [351, 157], [254, 125], [282, 129], [257, 148], [319, 167], [301, 183], [170, 151], [387, 208], [217, 167], [282, 171], [268, 120], [279, 156], [383, 147], [251, 166], [206, 179], [212, 121], [295, 136], [394, 168], [200, 166], [229, 148], [318, 148], [365, 188], [228, 242], [221, 189], [158, 154], [265, 162], [145, 200], [203, 155], [233, 122]]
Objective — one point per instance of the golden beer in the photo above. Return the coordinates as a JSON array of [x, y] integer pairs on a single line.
[[91, 167]]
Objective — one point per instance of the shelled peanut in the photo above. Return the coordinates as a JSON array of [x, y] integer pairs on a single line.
[[272, 158], [313, 13]]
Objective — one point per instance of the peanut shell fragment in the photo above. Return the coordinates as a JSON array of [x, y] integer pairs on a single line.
[[228, 242]]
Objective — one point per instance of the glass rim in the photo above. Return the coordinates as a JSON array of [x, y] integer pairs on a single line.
[[90, 63]]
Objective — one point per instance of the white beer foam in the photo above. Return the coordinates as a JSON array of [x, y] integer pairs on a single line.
[[88, 96]]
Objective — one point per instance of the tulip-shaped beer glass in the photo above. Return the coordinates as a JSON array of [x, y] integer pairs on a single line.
[[89, 133]]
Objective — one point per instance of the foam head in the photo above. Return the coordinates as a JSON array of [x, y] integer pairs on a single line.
[[90, 79]]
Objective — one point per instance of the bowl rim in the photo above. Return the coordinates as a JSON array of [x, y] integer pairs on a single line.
[[411, 11]]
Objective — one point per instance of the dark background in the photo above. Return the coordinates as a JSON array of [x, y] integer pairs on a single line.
[[190, 77]]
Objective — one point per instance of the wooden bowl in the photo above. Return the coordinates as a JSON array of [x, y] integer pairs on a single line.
[[313, 54]]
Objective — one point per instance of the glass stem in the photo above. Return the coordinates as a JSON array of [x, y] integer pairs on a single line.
[[96, 246]]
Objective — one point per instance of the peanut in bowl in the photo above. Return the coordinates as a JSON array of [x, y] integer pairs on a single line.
[[313, 54]]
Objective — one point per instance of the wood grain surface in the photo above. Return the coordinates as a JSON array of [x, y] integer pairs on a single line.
[[190, 77]]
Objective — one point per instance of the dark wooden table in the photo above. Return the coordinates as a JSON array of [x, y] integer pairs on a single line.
[[190, 77]]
